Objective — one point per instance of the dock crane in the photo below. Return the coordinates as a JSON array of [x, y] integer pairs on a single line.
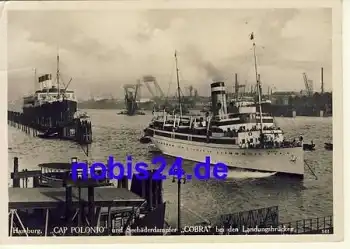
[[147, 79], [131, 95], [237, 86], [308, 85], [193, 92]]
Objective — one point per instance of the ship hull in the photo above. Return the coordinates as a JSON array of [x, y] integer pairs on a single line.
[[281, 160], [50, 114]]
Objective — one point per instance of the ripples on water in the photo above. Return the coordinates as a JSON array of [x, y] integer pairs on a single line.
[[119, 136]]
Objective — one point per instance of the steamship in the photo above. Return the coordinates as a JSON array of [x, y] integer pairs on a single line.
[[246, 139], [52, 104]]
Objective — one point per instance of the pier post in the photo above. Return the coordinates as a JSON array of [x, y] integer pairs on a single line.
[[120, 183], [125, 182], [36, 183], [16, 181], [91, 204], [179, 180], [81, 208], [25, 182], [158, 193], [109, 221], [150, 190], [69, 203], [179, 206]]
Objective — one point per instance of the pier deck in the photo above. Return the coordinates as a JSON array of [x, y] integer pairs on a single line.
[[31, 198]]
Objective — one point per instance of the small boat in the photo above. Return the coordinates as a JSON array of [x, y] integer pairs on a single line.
[[309, 147], [48, 135], [125, 112], [145, 140], [328, 146]]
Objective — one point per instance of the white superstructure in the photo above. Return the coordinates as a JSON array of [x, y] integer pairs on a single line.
[[247, 139], [239, 139]]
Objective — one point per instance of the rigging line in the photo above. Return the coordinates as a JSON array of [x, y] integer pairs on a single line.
[[183, 95], [182, 80], [62, 80], [171, 78]]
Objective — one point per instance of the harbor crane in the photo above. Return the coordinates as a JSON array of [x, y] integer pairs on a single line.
[[190, 90], [308, 85], [147, 80], [193, 92], [237, 86], [131, 96]]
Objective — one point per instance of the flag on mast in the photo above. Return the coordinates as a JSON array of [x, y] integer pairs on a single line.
[[45, 77], [252, 36]]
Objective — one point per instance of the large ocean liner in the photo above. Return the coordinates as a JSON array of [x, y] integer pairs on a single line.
[[52, 104], [246, 139]]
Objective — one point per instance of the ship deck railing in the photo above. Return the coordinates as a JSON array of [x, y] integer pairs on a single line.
[[267, 144]]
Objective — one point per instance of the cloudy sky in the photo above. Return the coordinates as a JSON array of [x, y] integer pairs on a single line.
[[102, 50]]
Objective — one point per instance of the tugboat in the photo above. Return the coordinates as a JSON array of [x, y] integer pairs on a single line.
[[247, 139]]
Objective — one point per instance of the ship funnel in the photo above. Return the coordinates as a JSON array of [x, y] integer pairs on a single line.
[[218, 98], [45, 81]]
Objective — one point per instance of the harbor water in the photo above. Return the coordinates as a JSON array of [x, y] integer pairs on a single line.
[[118, 135]]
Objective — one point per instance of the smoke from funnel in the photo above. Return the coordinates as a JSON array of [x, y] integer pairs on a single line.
[[195, 57], [212, 72]]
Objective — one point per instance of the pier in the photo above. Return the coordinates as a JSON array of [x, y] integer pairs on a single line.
[[78, 130], [38, 211], [115, 208]]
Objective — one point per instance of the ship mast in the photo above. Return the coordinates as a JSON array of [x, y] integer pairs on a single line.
[[35, 80], [178, 85], [58, 75], [257, 82]]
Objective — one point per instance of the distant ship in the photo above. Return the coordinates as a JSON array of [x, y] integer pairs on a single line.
[[247, 139], [52, 105]]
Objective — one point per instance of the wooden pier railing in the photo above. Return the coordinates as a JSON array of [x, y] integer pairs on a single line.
[[77, 130]]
